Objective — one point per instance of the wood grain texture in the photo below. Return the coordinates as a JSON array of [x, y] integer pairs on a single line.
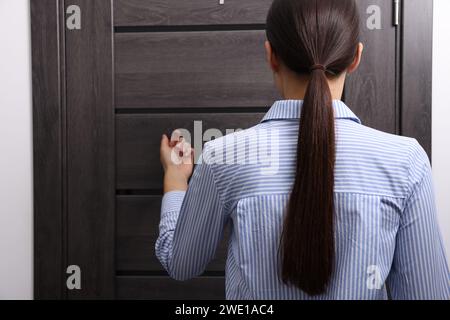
[[192, 70], [371, 91], [138, 137], [416, 90], [159, 288], [189, 12], [169, 72], [47, 156], [137, 230], [90, 140]]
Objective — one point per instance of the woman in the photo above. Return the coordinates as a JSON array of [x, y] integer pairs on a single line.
[[348, 212]]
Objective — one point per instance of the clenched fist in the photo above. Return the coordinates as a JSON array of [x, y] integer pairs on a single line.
[[177, 159]]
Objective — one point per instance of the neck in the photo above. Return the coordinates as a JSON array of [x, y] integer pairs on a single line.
[[293, 86]]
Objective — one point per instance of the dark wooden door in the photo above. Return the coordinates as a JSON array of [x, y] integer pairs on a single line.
[[371, 92], [105, 92]]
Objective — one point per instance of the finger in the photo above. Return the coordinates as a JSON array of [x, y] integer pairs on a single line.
[[183, 151], [188, 154], [179, 149], [164, 143], [185, 147], [175, 138], [176, 151]]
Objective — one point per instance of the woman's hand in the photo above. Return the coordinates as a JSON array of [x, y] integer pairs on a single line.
[[177, 159]]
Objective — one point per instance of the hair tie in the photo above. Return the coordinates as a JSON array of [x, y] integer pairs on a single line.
[[317, 67]]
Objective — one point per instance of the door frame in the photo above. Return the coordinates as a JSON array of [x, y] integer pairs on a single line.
[[52, 132], [74, 149]]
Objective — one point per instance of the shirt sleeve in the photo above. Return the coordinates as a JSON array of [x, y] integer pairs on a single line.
[[192, 224], [420, 269]]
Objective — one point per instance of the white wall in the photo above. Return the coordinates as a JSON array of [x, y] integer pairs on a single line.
[[16, 212], [441, 115]]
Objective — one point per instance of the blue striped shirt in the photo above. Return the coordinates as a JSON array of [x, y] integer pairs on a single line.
[[386, 229]]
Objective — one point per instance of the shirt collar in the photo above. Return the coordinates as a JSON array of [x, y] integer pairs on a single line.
[[292, 109]]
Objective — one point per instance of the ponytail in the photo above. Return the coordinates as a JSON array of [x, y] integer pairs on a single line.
[[313, 37], [308, 238]]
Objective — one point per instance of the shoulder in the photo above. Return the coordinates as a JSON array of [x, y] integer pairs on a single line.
[[377, 141], [414, 156], [397, 162], [408, 148], [420, 166], [218, 151]]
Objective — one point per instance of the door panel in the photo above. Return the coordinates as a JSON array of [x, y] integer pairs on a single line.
[[192, 70], [47, 158], [104, 93], [137, 230], [371, 91], [156, 288], [90, 151], [189, 12], [138, 137]]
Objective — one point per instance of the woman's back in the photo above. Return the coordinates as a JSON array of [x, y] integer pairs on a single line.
[[385, 220], [321, 206], [384, 210]]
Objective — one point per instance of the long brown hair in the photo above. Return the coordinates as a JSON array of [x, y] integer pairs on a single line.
[[316, 37]]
